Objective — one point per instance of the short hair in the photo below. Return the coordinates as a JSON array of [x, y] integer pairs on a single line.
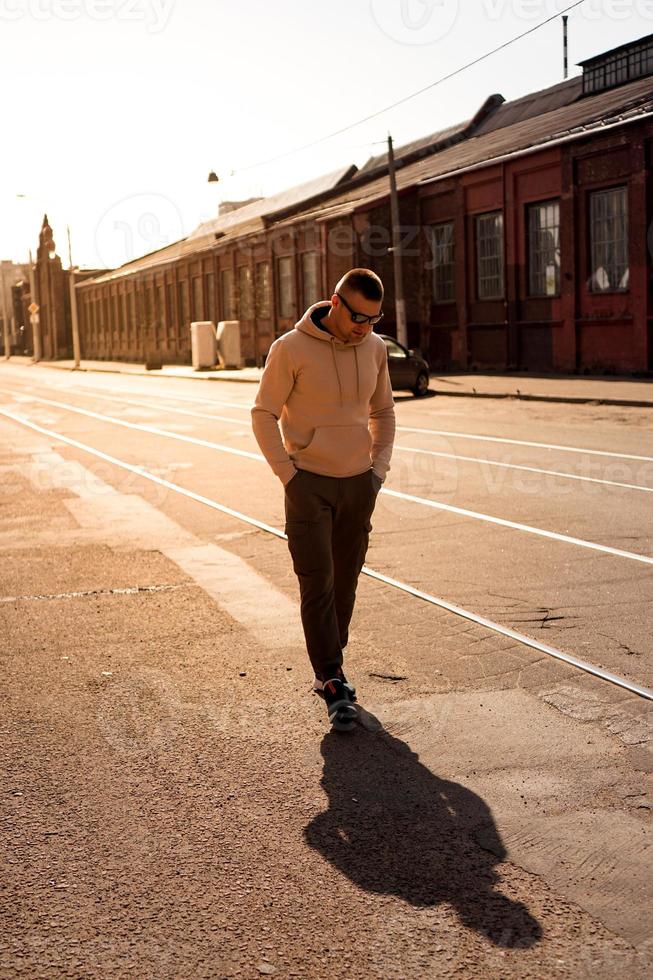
[[362, 281]]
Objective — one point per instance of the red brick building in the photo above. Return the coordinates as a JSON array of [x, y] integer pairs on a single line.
[[525, 241]]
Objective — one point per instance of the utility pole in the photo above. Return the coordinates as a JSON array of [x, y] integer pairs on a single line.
[[73, 302], [400, 303], [5, 323], [565, 62], [34, 317]]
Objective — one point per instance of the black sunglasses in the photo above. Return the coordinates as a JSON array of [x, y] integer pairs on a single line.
[[360, 317]]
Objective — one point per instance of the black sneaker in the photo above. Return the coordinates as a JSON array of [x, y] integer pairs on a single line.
[[342, 713], [318, 686]]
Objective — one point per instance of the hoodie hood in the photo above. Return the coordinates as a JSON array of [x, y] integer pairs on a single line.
[[307, 326]]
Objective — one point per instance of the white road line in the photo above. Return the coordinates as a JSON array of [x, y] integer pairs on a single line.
[[425, 452], [516, 526], [412, 498], [245, 423], [567, 658], [142, 427], [108, 515], [140, 471], [434, 432], [169, 397], [438, 432], [516, 466], [523, 442], [394, 583]]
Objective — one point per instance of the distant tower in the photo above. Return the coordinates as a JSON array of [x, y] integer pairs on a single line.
[[52, 297]]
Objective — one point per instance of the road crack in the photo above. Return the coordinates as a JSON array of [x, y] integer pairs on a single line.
[[135, 590]]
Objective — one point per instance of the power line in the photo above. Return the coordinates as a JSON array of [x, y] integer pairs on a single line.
[[407, 98]]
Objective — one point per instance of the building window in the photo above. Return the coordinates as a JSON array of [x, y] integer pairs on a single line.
[[286, 291], [544, 249], [115, 315], [442, 262], [124, 317], [228, 304], [159, 304], [609, 240], [132, 326], [263, 289], [182, 306], [489, 255], [198, 299], [310, 279], [149, 311], [245, 292], [170, 312], [210, 296], [618, 67]]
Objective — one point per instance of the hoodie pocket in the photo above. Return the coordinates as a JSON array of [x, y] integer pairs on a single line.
[[337, 450]]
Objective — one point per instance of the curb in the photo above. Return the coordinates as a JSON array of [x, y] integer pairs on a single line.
[[199, 376], [562, 399], [522, 396]]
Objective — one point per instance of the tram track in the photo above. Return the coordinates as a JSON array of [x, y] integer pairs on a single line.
[[446, 433], [457, 457], [402, 587], [406, 497]]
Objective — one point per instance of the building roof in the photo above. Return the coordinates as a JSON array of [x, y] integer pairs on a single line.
[[242, 221], [426, 145], [262, 207], [417, 147], [573, 120], [533, 104], [529, 123]]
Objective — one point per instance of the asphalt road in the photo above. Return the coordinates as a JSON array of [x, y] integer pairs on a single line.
[[184, 811]]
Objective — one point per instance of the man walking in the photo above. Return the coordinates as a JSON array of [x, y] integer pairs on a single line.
[[327, 383]]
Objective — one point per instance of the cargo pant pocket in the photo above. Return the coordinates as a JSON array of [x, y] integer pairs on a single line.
[[304, 554]]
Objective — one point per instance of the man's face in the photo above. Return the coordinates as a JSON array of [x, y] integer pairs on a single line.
[[341, 318]]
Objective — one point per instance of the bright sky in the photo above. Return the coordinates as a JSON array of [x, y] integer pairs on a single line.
[[116, 110]]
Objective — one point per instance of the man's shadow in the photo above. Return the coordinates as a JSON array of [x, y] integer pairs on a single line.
[[393, 827]]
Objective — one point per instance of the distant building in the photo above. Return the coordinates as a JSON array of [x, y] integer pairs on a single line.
[[51, 295], [11, 273], [526, 241]]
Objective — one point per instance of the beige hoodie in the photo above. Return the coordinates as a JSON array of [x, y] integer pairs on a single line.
[[334, 401]]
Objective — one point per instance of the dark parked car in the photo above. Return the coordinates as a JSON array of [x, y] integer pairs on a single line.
[[408, 369]]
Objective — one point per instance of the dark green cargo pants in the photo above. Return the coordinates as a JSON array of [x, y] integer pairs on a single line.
[[328, 526]]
